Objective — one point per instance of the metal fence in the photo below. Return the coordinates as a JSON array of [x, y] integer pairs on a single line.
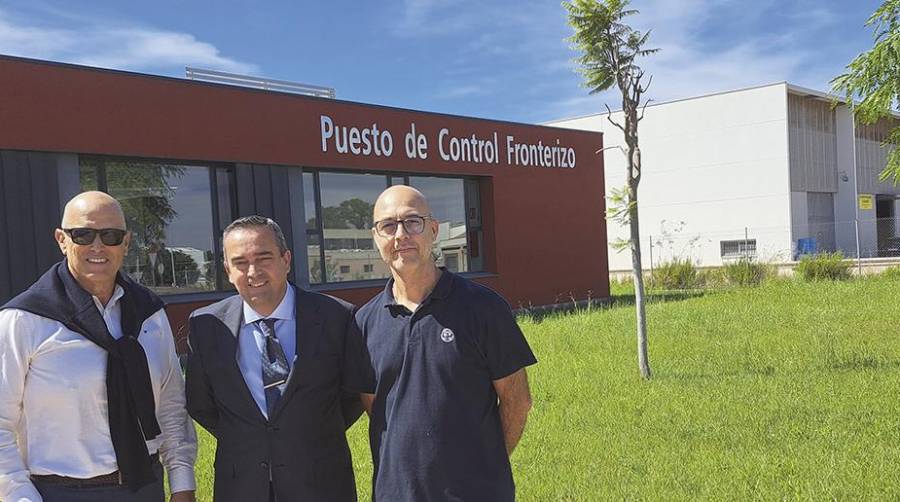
[[872, 245]]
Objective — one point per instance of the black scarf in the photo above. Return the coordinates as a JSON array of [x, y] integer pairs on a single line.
[[132, 410]]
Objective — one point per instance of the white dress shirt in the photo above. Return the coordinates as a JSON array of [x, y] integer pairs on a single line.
[[53, 408], [252, 344]]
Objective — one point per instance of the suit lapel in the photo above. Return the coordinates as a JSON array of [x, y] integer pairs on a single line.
[[308, 333], [232, 318]]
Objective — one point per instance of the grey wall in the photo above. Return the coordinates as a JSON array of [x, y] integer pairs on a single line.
[[266, 191], [29, 213], [845, 202]]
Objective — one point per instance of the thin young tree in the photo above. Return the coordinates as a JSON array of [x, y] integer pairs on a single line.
[[874, 78], [609, 52]]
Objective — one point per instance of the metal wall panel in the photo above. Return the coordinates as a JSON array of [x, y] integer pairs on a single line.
[[871, 157], [244, 187], [20, 221], [262, 186], [280, 199], [68, 178], [4, 240], [45, 208], [30, 210], [813, 145], [265, 190]]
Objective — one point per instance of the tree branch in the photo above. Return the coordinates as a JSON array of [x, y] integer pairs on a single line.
[[611, 121], [610, 148], [643, 108], [649, 81]]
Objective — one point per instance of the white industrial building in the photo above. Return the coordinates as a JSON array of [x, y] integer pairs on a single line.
[[767, 172]]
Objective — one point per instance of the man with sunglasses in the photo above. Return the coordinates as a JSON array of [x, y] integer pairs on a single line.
[[91, 394], [448, 394]]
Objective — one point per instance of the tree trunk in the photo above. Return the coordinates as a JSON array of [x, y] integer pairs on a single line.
[[637, 271]]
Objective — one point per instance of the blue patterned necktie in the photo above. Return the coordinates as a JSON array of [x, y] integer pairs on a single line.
[[275, 367]]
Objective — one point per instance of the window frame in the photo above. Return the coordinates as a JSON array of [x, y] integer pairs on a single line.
[[217, 198], [390, 177], [746, 248]]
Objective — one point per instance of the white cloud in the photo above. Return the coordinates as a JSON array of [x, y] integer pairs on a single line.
[[464, 91], [119, 47], [690, 63]]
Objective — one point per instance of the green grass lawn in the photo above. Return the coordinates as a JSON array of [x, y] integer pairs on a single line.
[[785, 391]]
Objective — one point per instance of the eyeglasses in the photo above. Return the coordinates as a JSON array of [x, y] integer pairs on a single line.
[[86, 236], [413, 225]]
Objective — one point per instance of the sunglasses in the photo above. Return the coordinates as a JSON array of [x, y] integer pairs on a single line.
[[86, 236]]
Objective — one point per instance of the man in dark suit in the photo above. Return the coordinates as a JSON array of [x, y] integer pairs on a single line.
[[272, 374]]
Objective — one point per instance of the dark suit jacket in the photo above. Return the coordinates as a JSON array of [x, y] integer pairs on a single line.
[[302, 448]]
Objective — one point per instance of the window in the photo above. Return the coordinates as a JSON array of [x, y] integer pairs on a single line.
[[340, 245], [175, 212], [744, 248], [448, 204], [451, 261], [339, 208]]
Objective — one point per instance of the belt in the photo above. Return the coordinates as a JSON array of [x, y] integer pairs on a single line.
[[112, 479]]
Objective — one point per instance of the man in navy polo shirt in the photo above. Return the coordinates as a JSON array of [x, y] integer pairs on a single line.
[[449, 391]]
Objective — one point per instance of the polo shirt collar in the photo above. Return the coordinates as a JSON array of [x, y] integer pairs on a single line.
[[444, 285], [441, 289], [284, 311]]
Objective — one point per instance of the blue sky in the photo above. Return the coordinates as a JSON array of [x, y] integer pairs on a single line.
[[501, 59]]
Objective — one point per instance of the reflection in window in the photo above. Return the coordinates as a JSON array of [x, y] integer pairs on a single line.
[[446, 196], [313, 233], [169, 210], [341, 247], [309, 202], [347, 201]]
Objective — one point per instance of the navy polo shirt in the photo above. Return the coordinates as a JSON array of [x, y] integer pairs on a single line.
[[435, 428]]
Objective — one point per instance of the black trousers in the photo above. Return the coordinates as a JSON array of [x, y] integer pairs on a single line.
[[150, 493]]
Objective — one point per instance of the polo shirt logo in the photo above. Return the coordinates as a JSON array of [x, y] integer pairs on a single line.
[[447, 335]]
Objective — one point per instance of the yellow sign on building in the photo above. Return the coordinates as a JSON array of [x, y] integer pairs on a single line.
[[866, 201]]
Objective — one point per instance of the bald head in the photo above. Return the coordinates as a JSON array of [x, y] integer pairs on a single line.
[[93, 264], [405, 245], [400, 196], [92, 207]]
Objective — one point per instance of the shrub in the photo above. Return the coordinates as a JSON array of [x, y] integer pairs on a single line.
[[824, 266], [746, 272], [891, 273], [680, 273], [712, 278], [622, 287]]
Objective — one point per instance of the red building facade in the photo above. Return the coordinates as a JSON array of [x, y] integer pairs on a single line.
[[521, 206]]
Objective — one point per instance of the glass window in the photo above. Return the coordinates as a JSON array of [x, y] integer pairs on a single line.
[[396, 180], [347, 202], [448, 204], [745, 248], [473, 225], [343, 248], [225, 210], [169, 210]]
